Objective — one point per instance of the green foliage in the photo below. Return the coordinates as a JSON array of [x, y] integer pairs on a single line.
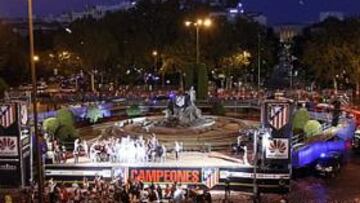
[[330, 50], [133, 111], [124, 40], [218, 109], [189, 77], [51, 125], [202, 81], [13, 55], [66, 130], [94, 114], [300, 118], [65, 117], [312, 127], [3, 86], [157, 25], [66, 133]]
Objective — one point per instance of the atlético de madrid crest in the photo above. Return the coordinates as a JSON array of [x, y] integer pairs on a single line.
[[278, 114]]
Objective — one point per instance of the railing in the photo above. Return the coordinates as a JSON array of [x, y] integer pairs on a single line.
[[321, 116], [145, 105]]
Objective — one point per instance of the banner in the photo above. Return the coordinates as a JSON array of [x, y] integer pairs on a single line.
[[8, 146], [10, 174], [277, 148], [166, 175], [278, 114], [210, 177]]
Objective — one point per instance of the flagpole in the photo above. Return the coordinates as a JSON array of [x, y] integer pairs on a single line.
[[34, 101]]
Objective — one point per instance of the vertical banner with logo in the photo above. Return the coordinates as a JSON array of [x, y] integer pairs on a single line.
[[9, 146], [15, 151], [276, 117]]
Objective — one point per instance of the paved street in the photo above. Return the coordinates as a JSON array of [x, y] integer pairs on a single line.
[[344, 188]]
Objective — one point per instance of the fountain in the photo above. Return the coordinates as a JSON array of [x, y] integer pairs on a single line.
[[183, 121], [182, 113]]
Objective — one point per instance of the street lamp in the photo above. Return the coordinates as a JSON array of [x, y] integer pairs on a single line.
[[33, 59], [259, 61], [155, 56], [36, 58], [205, 23], [154, 53]]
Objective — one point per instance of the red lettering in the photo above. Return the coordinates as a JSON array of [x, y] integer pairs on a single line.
[[133, 173], [195, 176], [173, 176], [150, 176], [141, 175], [182, 176], [167, 176], [160, 176]]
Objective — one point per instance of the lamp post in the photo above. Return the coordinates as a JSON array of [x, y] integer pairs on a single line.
[[33, 59], [155, 54], [198, 24], [259, 61]]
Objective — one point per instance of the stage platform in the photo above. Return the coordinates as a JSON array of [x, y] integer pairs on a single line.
[[207, 170], [187, 159]]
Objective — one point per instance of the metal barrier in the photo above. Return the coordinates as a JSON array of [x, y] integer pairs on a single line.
[[320, 116], [146, 105]]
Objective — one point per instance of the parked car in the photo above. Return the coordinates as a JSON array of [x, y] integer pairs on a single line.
[[356, 140], [329, 164]]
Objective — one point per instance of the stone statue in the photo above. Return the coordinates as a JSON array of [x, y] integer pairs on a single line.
[[182, 112], [192, 94]]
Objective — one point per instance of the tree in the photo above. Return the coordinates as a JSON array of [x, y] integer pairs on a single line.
[[3, 86], [312, 127], [66, 62], [85, 48], [51, 125], [218, 109], [65, 117], [178, 58], [234, 63], [301, 117], [202, 81], [13, 57], [190, 76], [350, 50], [123, 41], [133, 111], [331, 51], [94, 114], [66, 133], [236, 37], [66, 130]]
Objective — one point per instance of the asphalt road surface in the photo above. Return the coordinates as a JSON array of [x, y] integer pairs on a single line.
[[345, 188]]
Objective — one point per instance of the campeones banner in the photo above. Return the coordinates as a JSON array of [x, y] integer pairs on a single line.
[[164, 175]]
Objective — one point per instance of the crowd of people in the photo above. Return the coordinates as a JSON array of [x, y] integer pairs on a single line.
[[115, 150], [140, 93], [119, 191], [126, 150]]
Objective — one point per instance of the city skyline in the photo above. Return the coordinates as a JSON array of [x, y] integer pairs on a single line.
[[277, 11]]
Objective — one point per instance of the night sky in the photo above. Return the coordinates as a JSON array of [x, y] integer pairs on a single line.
[[277, 11]]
